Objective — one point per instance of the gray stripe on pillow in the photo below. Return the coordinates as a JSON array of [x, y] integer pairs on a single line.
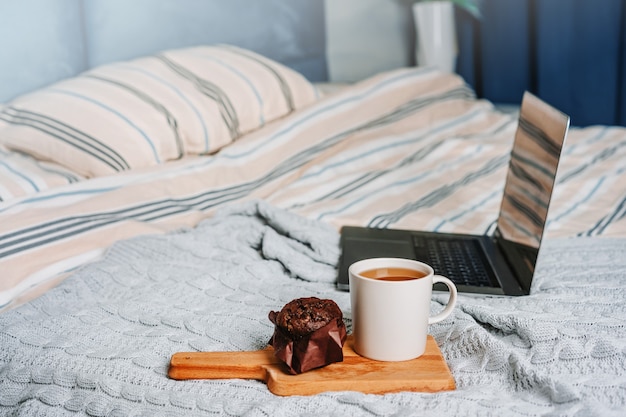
[[211, 90], [65, 133], [171, 120], [284, 86]]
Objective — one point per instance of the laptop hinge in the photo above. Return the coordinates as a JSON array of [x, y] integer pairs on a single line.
[[521, 259]]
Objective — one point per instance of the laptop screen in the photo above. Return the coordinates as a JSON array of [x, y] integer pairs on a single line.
[[530, 180]]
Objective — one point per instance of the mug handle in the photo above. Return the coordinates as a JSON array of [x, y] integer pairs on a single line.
[[451, 301]]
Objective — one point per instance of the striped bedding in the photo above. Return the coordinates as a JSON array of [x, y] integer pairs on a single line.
[[21, 175], [410, 148]]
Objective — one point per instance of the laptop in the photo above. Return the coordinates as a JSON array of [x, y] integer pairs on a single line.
[[502, 263]]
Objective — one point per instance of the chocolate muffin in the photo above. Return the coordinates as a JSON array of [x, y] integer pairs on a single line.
[[308, 333], [306, 315]]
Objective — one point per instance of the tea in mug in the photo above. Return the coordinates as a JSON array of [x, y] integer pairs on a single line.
[[393, 274]]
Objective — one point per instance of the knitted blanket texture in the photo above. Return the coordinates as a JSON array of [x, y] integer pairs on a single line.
[[99, 344]]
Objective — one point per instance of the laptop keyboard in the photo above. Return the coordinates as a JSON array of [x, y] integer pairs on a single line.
[[459, 260]]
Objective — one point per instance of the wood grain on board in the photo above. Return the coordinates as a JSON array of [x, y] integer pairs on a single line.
[[428, 373]]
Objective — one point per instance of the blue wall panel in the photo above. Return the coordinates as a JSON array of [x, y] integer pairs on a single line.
[[621, 104], [291, 32], [505, 54], [41, 41], [578, 58], [571, 53]]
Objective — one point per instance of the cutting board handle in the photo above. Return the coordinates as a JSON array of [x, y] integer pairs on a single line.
[[221, 365]]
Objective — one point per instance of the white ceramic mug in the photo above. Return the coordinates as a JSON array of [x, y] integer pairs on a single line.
[[390, 318]]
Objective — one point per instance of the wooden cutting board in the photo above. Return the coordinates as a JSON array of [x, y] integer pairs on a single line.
[[428, 373]]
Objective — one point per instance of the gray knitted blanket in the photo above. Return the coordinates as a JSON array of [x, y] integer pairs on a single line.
[[99, 344]]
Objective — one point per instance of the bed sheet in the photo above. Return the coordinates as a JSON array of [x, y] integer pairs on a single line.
[[99, 344], [410, 148]]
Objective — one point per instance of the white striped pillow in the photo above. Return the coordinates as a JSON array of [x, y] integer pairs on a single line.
[[150, 110]]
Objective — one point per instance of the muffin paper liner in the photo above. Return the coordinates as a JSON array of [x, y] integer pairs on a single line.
[[319, 348]]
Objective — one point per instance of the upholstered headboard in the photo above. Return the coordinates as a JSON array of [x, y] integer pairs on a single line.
[[42, 41]]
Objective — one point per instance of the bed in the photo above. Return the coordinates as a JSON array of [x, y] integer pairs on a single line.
[[168, 202]]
